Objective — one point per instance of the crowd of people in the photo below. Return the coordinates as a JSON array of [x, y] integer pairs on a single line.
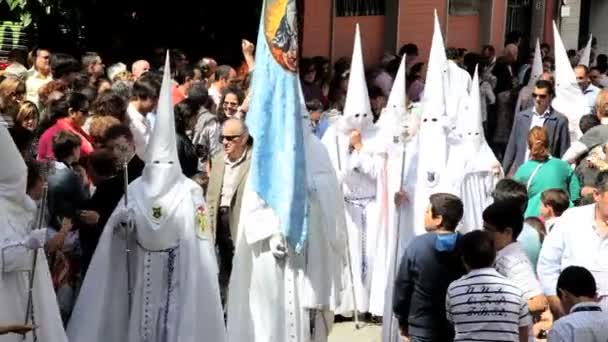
[[512, 248]]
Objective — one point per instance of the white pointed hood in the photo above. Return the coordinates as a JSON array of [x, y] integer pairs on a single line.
[[537, 66], [569, 99], [357, 108], [13, 173], [586, 54], [158, 191], [397, 98], [432, 135]]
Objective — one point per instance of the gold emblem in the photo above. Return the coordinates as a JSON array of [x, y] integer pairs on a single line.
[[157, 213], [201, 216]]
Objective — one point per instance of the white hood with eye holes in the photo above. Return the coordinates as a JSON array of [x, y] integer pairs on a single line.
[[357, 113]]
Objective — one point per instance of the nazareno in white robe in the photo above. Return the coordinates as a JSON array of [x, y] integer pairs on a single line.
[[357, 172], [173, 275], [274, 300], [16, 261]]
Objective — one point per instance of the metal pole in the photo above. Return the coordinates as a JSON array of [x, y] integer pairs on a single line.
[[125, 169], [348, 260], [29, 310], [396, 251]]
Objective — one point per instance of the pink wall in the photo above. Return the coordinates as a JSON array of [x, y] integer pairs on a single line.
[[463, 32], [499, 17], [317, 28], [372, 33], [416, 23]]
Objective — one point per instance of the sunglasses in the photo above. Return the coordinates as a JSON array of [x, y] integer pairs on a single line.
[[230, 137], [541, 96]]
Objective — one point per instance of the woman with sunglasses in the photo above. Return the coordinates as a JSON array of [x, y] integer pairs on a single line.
[[232, 99]]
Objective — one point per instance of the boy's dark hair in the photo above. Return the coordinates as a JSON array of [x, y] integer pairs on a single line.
[[199, 94], [503, 215], [184, 111], [449, 207], [117, 131], [601, 181], [145, 89], [410, 49], [538, 225], [556, 199], [314, 105], [588, 122], [477, 248], [110, 103], [64, 144], [104, 162], [183, 74], [509, 190], [578, 281], [222, 72]]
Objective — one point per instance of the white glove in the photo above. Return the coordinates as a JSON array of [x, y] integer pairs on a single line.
[[36, 239], [341, 175], [277, 246], [123, 217]]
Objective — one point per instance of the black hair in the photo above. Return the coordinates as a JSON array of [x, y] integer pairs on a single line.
[[513, 37], [199, 94], [314, 105], [504, 215], [117, 131], [145, 89], [233, 90], [578, 281], [451, 53], [410, 49], [449, 207], [78, 101], [602, 63], [509, 190], [542, 84], [22, 137], [104, 162], [110, 103], [222, 72], [413, 74], [184, 111], [375, 91], [63, 64], [34, 174], [588, 121], [477, 248], [489, 48], [183, 74], [571, 53], [545, 45], [601, 181], [584, 67], [64, 144]]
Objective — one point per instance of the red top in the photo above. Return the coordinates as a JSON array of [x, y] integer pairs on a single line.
[[45, 145], [177, 95]]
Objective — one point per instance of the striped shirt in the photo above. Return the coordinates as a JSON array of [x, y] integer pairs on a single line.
[[586, 322], [513, 263], [484, 306]]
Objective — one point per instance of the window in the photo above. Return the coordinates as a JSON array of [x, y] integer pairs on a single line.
[[464, 7], [352, 8]]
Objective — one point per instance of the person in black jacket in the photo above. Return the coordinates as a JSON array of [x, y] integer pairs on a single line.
[[185, 118], [428, 266], [103, 169], [119, 139]]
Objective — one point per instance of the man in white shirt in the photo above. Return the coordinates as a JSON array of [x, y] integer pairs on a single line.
[[224, 76], [39, 75], [589, 90], [586, 320], [578, 238], [483, 305], [144, 100]]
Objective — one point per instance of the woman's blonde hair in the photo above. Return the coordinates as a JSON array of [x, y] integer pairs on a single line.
[[26, 110], [538, 143]]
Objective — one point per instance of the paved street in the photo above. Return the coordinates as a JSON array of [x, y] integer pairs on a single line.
[[346, 332]]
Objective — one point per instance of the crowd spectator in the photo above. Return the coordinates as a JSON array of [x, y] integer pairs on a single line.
[[12, 91], [554, 203], [39, 75], [224, 76]]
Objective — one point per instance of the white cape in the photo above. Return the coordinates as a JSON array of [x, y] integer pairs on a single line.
[[16, 263], [187, 310], [272, 300]]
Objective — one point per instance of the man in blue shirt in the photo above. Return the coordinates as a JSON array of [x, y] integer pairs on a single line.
[[589, 90]]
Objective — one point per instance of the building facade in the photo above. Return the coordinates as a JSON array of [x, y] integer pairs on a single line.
[[386, 25]]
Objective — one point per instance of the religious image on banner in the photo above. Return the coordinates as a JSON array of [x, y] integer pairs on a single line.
[[281, 23]]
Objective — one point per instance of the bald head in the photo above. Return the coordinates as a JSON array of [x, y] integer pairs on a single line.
[[139, 67], [234, 138], [511, 51]]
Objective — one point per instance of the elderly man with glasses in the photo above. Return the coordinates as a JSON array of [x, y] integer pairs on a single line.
[[541, 115], [229, 170]]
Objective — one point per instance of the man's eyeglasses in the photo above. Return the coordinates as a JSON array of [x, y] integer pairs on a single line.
[[231, 104], [230, 137], [540, 96]]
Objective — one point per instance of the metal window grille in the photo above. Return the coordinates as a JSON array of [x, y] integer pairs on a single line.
[[357, 8], [464, 7]]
